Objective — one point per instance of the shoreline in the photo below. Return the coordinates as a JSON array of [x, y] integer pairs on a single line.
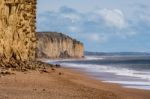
[[63, 83], [87, 75], [128, 78]]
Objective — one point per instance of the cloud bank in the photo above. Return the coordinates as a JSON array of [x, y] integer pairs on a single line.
[[97, 26]]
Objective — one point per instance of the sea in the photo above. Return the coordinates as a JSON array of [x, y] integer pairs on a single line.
[[130, 71]]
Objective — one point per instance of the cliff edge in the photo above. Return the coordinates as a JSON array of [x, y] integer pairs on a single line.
[[58, 45]]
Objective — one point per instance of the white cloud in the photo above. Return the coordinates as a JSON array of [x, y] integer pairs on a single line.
[[113, 17], [145, 18], [126, 34], [95, 37], [74, 29], [95, 26], [73, 17]]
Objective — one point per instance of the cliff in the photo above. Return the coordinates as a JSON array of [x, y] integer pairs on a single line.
[[17, 29], [57, 45]]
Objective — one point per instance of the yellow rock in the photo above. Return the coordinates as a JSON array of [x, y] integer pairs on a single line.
[[17, 29]]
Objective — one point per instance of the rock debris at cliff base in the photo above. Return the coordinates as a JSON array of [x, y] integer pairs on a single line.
[[18, 41], [24, 65]]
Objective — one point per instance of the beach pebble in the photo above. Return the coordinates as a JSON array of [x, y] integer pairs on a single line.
[[44, 90]]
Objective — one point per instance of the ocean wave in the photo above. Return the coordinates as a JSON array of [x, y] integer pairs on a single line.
[[86, 58], [133, 84], [128, 77], [93, 58], [145, 75]]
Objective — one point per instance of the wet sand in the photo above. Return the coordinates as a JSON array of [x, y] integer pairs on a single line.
[[62, 83]]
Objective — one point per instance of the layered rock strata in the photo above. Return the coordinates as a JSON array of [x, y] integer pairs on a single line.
[[58, 45]]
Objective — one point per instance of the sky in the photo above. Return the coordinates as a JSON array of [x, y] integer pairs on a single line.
[[102, 25]]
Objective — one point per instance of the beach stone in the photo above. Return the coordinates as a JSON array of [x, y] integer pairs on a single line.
[[44, 90], [60, 73], [58, 66]]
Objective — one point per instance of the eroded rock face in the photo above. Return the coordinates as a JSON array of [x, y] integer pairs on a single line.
[[57, 45], [17, 29]]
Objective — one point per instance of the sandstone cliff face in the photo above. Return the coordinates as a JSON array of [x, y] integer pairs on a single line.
[[17, 29], [57, 45]]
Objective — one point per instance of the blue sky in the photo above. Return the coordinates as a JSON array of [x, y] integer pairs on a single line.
[[102, 25]]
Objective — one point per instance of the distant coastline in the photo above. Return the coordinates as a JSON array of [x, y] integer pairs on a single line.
[[116, 53]]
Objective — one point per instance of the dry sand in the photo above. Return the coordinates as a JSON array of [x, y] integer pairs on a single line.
[[62, 84]]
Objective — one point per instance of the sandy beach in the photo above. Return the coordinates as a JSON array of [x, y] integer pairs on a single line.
[[62, 83]]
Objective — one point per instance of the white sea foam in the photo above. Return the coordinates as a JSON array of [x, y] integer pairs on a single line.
[[79, 59], [110, 69], [143, 75], [133, 84], [139, 87], [118, 71], [93, 57]]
